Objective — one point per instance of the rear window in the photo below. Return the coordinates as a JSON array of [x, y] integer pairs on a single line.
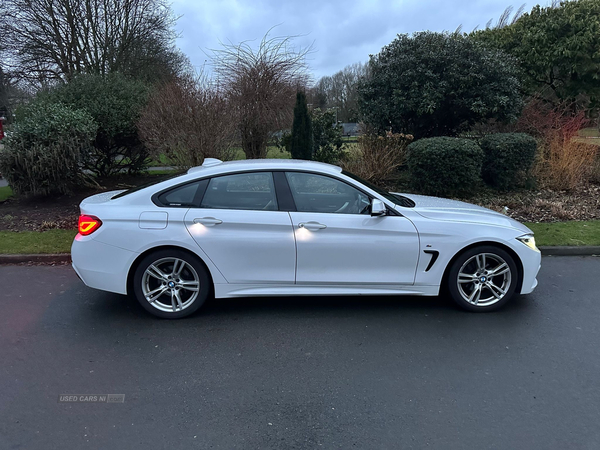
[[159, 179], [181, 195]]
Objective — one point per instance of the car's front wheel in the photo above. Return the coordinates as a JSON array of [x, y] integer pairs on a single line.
[[171, 283], [483, 279]]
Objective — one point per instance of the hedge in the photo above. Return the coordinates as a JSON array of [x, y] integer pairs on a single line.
[[445, 166], [507, 159]]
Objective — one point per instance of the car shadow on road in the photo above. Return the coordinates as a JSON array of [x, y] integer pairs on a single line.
[[333, 304], [111, 306]]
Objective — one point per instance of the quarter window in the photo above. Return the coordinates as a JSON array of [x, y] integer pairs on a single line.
[[318, 193], [180, 196], [241, 191]]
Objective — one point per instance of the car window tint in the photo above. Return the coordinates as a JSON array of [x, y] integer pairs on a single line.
[[179, 196], [318, 193], [158, 179], [241, 191]]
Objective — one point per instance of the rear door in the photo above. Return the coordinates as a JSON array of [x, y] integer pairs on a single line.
[[238, 225]]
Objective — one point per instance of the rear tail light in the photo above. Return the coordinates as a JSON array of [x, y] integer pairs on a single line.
[[88, 224]]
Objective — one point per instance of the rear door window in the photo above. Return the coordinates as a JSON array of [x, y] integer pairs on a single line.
[[254, 191]]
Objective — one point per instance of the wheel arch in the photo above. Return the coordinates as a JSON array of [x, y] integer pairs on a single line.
[[504, 247], [145, 253]]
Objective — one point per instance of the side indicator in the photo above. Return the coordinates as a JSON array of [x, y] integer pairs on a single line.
[[88, 224]]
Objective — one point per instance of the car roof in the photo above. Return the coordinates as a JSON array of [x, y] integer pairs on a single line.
[[214, 166]]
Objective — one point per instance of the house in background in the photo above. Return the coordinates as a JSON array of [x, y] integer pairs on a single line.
[[350, 129]]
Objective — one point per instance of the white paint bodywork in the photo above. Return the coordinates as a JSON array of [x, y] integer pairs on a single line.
[[261, 253]]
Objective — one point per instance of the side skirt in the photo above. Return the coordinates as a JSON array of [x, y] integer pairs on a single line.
[[269, 290]]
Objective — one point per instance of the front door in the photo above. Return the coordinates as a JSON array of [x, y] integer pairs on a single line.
[[339, 243]]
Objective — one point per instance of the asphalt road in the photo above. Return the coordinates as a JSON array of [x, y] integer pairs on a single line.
[[332, 373]]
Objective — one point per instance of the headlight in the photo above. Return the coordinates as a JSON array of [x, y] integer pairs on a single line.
[[529, 241]]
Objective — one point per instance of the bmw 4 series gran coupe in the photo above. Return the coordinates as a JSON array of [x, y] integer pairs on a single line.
[[291, 228]]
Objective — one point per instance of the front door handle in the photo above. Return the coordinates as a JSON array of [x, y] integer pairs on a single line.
[[313, 226], [208, 221]]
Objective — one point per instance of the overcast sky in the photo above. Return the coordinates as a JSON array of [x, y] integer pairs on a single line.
[[343, 31]]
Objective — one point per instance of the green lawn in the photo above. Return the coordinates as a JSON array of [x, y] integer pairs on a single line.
[[22, 242], [272, 153], [567, 233], [587, 133], [162, 161], [5, 192], [163, 172], [59, 241]]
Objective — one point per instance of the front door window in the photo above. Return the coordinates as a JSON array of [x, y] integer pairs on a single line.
[[322, 194]]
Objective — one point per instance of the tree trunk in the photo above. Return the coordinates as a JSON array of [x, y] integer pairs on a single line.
[[254, 144]]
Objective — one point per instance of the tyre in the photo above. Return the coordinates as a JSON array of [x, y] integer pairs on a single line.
[[171, 283], [483, 279]]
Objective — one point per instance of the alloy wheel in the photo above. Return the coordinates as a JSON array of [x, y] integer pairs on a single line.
[[170, 284], [484, 279]]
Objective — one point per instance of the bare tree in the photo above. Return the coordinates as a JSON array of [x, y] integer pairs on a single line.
[[339, 92], [186, 121], [4, 89], [261, 85], [49, 40], [11, 94]]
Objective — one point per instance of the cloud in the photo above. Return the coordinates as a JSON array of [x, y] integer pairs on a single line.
[[343, 32]]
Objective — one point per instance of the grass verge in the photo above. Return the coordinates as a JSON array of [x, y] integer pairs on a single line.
[[59, 241], [5, 192], [585, 134], [272, 153], [26, 242], [567, 233], [164, 172]]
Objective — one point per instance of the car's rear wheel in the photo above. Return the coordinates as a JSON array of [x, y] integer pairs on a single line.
[[171, 283], [483, 279]]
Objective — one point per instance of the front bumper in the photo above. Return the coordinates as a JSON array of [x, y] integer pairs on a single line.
[[532, 262]]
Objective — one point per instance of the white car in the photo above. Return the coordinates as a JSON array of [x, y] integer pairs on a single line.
[[288, 227]]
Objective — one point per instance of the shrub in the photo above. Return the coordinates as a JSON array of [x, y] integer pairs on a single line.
[[563, 163], [595, 178], [43, 153], [445, 166], [115, 103], [507, 159], [327, 137], [283, 141], [186, 121], [377, 158]]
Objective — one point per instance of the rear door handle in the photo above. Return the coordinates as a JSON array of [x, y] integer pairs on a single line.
[[208, 221], [313, 226]]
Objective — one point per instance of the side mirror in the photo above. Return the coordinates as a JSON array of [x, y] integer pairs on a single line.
[[377, 207]]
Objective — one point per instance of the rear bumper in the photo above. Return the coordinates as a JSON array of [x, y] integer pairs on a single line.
[[101, 266]]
